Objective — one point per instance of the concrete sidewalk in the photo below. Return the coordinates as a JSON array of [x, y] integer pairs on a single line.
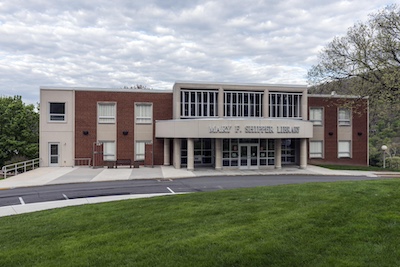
[[63, 175]]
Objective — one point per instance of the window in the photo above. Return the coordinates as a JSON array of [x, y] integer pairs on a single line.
[[316, 116], [243, 104], [108, 150], [315, 149], [199, 103], [344, 149], [140, 149], [106, 112], [285, 105], [57, 111], [144, 112], [344, 116]]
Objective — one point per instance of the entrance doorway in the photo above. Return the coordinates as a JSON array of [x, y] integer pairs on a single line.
[[248, 154], [54, 154]]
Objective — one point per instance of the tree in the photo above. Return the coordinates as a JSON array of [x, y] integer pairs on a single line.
[[369, 55], [366, 62], [19, 130]]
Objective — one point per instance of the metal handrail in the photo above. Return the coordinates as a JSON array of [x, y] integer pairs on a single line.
[[16, 167]]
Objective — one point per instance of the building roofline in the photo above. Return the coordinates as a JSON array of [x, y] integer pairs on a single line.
[[99, 89], [337, 96], [188, 83]]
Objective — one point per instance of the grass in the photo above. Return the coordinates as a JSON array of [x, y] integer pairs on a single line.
[[315, 224], [357, 168]]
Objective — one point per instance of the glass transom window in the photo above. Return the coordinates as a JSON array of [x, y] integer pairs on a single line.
[[285, 105], [199, 103], [243, 104]]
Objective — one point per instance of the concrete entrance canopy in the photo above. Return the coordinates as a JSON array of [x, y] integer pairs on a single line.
[[234, 128]]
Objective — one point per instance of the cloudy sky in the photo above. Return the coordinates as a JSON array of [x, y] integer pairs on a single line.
[[112, 44]]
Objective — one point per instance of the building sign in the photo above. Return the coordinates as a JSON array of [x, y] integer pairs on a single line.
[[255, 129]]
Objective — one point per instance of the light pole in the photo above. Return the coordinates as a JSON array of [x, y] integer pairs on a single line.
[[384, 148]]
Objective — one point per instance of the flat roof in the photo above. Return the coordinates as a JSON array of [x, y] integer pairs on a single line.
[[94, 89]]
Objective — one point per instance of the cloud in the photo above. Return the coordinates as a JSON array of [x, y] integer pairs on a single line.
[[154, 42]]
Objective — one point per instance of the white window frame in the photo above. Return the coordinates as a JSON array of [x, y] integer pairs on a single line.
[[141, 115], [314, 118], [316, 152], [52, 115], [199, 103], [344, 152], [285, 105], [106, 116], [140, 149], [109, 150], [344, 117]]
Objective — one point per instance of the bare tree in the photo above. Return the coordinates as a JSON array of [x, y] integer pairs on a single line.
[[369, 56]]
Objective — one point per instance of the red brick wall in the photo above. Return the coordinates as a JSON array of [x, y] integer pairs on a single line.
[[86, 120], [359, 129]]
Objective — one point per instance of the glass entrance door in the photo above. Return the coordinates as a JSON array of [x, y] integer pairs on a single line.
[[248, 156], [54, 154]]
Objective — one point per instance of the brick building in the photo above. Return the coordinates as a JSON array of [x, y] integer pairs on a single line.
[[216, 125]]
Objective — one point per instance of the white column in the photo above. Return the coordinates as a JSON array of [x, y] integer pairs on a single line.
[[304, 103], [278, 153], [177, 153], [218, 154], [167, 160], [303, 153], [265, 107], [221, 102], [190, 154]]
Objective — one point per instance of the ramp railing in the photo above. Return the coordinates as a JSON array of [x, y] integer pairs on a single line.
[[19, 167]]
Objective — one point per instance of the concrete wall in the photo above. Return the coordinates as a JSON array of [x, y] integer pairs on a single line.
[[61, 133]]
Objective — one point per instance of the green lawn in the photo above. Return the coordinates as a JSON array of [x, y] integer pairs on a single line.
[[358, 168], [315, 224]]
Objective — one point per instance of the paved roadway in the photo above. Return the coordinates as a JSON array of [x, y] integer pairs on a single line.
[[65, 192]]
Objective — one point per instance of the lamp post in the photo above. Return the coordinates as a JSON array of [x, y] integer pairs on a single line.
[[384, 148]]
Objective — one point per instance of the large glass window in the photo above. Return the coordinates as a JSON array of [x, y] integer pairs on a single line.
[[344, 117], [285, 105], [316, 116], [203, 152], [201, 103], [243, 104], [344, 149], [315, 149], [108, 150], [56, 111], [144, 112], [106, 112]]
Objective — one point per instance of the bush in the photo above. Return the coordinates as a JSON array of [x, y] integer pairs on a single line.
[[393, 163]]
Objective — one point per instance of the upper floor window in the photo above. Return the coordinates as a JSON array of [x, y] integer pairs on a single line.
[[316, 116], [106, 112], [285, 105], [144, 112], [57, 111], [199, 103], [243, 104], [344, 117]]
